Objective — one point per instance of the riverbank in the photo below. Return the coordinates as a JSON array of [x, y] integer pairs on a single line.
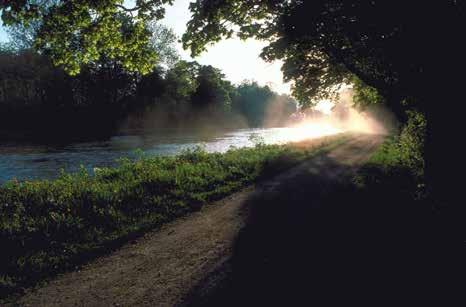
[[47, 227], [193, 255], [26, 161]]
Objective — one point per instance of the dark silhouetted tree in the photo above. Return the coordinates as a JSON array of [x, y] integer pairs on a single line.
[[213, 92], [411, 52]]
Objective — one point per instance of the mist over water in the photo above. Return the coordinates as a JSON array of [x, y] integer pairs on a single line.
[[28, 161]]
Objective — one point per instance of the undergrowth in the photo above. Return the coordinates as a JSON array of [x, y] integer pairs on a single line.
[[396, 169]]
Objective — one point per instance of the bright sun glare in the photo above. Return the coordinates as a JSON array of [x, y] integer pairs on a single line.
[[310, 130], [325, 106], [332, 121]]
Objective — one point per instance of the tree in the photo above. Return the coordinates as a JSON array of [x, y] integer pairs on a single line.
[[75, 32], [7, 48], [261, 106], [162, 41], [181, 81], [252, 101], [21, 36], [106, 81], [364, 95], [212, 92], [408, 51]]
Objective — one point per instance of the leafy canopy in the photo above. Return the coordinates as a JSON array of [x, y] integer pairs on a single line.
[[396, 46], [77, 32]]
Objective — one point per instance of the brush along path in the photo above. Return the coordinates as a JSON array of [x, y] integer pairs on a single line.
[[163, 267]]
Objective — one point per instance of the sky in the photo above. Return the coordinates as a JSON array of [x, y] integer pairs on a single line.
[[239, 60], [3, 36]]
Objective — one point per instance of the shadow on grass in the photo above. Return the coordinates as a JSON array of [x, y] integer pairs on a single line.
[[316, 239]]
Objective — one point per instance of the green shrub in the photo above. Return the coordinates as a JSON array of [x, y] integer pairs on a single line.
[[397, 167], [411, 143]]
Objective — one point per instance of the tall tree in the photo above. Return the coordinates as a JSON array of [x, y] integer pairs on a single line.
[[213, 91], [261, 106], [181, 81], [252, 101]]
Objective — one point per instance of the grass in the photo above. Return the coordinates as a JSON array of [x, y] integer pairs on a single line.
[[386, 173], [397, 167], [47, 227]]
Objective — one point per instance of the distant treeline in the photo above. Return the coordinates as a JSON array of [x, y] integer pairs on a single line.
[[38, 99]]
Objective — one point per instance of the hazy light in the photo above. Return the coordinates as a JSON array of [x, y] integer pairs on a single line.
[[325, 106], [344, 118], [309, 130]]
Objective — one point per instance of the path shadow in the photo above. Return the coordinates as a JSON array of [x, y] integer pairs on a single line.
[[316, 239]]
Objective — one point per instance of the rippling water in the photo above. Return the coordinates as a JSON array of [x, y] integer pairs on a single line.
[[40, 161]]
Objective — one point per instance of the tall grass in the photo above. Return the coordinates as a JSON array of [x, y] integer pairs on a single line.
[[50, 226]]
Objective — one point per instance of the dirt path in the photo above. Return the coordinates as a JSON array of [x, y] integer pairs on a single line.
[[163, 267]]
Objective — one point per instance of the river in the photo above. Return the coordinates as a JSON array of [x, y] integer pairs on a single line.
[[33, 161]]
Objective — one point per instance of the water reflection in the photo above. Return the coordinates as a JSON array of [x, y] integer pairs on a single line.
[[45, 161]]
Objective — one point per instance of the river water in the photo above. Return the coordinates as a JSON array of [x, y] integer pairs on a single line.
[[32, 161]]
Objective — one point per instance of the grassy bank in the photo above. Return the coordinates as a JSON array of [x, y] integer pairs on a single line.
[[47, 227]]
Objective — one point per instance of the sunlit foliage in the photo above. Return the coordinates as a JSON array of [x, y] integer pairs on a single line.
[[364, 95], [74, 33]]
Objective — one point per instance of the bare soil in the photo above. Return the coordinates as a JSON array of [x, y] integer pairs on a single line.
[[190, 261]]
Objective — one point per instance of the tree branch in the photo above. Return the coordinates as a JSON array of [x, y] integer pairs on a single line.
[[128, 9]]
